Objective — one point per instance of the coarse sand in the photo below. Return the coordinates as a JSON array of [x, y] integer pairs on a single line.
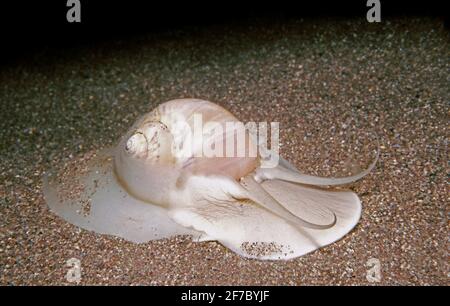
[[330, 83]]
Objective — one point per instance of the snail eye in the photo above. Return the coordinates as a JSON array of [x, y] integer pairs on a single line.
[[137, 144]]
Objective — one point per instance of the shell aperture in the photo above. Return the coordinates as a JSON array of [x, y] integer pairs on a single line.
[[156, 183]]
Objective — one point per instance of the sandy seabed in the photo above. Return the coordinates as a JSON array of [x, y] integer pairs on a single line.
[[324, 81]]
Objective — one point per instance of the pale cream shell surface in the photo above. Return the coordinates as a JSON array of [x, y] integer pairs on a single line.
[[157, 170]]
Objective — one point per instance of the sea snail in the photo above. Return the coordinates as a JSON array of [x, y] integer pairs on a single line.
[[156, 183]]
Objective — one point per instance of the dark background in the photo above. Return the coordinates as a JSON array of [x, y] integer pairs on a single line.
[[26, 26]]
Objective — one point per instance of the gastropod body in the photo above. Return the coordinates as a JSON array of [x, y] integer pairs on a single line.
[[159, 182]]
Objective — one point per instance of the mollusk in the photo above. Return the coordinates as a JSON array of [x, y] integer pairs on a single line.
[[143, 190]]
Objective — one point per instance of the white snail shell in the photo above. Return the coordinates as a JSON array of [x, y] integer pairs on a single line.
[[152, 186]]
